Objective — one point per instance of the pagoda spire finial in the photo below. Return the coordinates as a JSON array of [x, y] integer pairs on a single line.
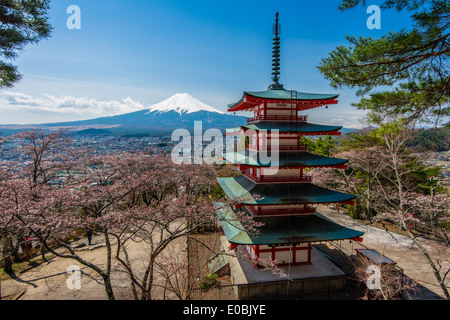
[[276, 56]]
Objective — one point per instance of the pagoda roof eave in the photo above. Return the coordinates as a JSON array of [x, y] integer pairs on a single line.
[[283, 230], [305, 128], [285, 159], [253, 98], [245, 191]]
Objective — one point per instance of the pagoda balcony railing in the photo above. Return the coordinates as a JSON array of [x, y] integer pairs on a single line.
[[277, 118], [280, 148], [271, 179], [281, 211]]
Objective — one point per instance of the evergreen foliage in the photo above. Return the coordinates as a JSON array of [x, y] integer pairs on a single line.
[[21, 22], [412, 63]]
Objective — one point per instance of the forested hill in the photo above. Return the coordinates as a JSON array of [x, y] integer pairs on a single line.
[[434, 139], [431, 139]]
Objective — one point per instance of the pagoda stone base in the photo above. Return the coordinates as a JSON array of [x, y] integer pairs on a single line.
[[320, 279]]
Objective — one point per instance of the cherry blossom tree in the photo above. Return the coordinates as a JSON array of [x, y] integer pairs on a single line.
[[95, 199], [406, 208], [126, 199], [383, 176], [9, 229], [401, 204], [175, 204], [365, 165], [39, 146], [44, 150]]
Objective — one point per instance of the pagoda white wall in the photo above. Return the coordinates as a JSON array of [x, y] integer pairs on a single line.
[[287, 256], [281, 142], [265, 255], [272, 112], [252, 134], [288, 142], [301, 256], [284, 257], [269, 171], [264, 139]]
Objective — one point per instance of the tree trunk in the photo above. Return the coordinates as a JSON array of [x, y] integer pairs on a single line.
[[107, 276], [43, 252], [369, 216], [133, 286], [108, 287], [7, 264], [6, 253], [147, 282]]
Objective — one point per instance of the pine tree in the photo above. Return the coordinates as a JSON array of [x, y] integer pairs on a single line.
[[21, 22], [412, 63]]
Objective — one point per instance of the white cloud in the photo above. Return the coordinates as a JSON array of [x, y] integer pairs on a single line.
[[16, 101], [355, 122]]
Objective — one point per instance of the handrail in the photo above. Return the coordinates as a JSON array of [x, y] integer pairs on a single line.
[[277, 117], [280, 147], [307, 209], [278, 179]]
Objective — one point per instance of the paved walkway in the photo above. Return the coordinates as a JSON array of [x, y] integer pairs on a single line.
[[399, 248]]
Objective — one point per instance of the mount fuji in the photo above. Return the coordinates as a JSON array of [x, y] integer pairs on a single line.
[[178, 111], [182, 103]]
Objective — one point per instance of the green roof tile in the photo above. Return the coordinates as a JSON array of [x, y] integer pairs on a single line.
[[287, 95], [245, 191], [285, 159], [283, 230], [300, 127]]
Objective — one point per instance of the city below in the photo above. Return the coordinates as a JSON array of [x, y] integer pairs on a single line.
[[99, 145]]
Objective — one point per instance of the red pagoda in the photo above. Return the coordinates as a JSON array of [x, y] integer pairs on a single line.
[[284, 199]]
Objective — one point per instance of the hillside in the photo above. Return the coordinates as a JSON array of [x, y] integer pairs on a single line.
[[431, 140]]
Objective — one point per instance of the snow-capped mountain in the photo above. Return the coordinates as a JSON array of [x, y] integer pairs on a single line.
[[177, 112], [182, 103]]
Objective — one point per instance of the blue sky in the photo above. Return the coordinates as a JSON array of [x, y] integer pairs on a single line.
[[131, 54]]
